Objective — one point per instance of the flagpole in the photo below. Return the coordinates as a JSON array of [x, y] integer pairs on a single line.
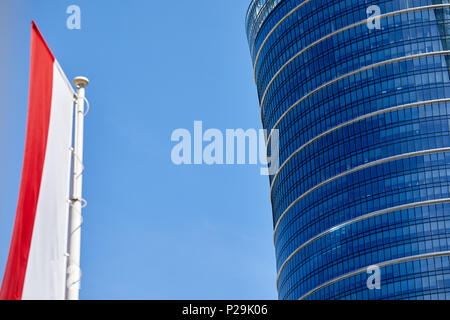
[[76, 219]]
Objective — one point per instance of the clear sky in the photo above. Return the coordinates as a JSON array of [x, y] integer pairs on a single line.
[[152, 230]]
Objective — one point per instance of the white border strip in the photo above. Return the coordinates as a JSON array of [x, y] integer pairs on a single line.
[[63, 75]]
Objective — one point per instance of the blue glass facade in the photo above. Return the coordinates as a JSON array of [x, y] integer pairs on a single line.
[[363, 113]]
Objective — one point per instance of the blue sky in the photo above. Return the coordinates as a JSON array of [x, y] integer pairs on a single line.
[[152, 230]]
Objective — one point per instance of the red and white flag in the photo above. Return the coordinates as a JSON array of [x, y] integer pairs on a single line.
[[36, 267]]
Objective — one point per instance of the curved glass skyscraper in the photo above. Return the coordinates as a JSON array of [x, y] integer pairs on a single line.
[[360, 94]]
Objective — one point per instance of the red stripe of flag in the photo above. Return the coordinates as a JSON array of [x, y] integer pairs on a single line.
[[39, 106]]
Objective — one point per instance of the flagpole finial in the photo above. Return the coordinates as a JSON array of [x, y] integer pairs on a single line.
[[81, 82]]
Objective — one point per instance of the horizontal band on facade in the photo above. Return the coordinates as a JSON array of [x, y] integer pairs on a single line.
[[382, 16], [358, 168], [273, 30], [380, 265], [342, 125], [255, 18], [361, 218], [372, 66]]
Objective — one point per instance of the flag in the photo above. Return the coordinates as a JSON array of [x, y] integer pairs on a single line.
[[36, 267]]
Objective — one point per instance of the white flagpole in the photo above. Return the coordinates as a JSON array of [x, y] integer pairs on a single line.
[[76, 219]]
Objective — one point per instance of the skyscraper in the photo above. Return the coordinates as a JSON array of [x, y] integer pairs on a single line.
[[360, 93]]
